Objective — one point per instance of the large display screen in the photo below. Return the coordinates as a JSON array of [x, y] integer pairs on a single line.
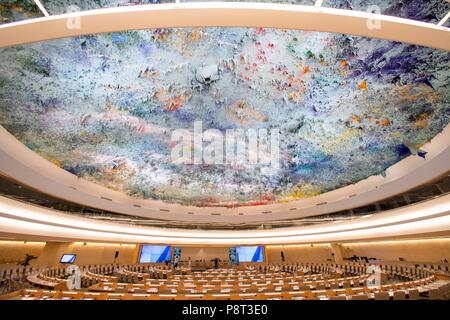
[[250, 253], [152, 253], [68, 258]]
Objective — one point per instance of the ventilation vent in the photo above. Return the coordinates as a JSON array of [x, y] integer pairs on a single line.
[[137, 205], [71, 187], [267, 212], [107, 199], [215, 214], [292, 209], [190, 213], [352, 195], [164, 210], [321, 203]]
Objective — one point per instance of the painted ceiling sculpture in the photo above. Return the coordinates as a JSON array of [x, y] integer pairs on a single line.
[[103, 107]]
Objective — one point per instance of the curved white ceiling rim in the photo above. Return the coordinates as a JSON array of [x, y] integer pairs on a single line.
[[431, 217], [226, 14]]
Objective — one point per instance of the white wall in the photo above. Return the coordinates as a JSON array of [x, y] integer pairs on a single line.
[[205, 253], [49, 253], [14, 251], [299, 253], [432, 250], [89, 253]]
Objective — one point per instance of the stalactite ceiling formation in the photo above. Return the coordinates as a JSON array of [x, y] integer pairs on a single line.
[[103, 107]]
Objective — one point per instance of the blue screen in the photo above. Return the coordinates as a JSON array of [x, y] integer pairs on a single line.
[[250, 253], [67, 258], [151, 253]]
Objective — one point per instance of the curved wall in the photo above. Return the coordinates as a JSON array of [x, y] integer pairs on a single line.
[[423, 219]]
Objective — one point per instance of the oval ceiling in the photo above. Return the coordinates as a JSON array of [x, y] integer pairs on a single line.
[[106, 107]]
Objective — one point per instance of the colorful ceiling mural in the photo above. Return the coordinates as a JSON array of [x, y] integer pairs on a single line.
[[103, 107], [16, 10]]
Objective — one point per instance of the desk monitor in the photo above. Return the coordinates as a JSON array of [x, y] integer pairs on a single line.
[[68, 258]]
